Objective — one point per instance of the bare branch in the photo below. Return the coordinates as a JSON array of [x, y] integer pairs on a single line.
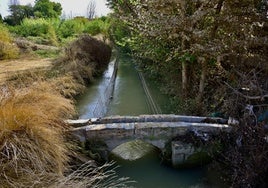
[[91, 9], [245, 96]]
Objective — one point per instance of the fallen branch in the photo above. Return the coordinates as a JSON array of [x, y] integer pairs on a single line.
[[245, 96]]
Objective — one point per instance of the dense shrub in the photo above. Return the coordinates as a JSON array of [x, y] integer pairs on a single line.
[[81, 25], [38, 28], [70, 28], [51, 31], [7, 49], [95, 27]]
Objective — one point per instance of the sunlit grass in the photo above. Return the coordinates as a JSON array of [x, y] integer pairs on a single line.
[[32, 143]]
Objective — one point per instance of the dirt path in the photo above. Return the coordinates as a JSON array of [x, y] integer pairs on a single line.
[[10, 67]]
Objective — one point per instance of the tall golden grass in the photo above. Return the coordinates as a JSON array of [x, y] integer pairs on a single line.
[[65, 84], [32, 147]]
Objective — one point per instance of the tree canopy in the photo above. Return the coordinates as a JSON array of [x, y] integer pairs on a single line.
[[41, 9], [212, 57], [185, 41], [47, 9], [18, 13]]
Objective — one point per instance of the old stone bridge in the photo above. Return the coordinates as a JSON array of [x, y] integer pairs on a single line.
[[154, 129]]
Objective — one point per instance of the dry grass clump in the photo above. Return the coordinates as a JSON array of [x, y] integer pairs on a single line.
[[8, 51], [85, 58], [89, 175], [26, 78], [66, 85], [32, 148]]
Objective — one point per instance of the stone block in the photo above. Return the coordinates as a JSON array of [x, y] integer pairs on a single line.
[[180, 152]]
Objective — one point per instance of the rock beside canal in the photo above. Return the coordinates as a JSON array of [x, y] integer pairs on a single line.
[[133, 150]]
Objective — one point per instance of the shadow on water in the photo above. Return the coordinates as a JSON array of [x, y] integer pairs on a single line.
[[149, 173]]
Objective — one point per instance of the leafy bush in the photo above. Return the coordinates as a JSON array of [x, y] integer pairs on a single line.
[[7, 49], [38, 28], [94, 27], [98, 26], [79, 25], [70, 28], [4, 34]]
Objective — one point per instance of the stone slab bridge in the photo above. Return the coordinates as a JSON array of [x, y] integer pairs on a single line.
[[154, 129]]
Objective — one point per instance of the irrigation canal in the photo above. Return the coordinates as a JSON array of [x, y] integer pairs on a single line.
[[134, 95]]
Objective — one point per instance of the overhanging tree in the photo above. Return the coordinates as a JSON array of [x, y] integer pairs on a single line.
[[187, 32]]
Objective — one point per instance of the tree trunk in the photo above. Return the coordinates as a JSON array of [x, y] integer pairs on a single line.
[[184, 80], [203, 61], [202, 81]]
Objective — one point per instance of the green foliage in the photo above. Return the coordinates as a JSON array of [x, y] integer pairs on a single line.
[[190, 43], [38, 28], [47, 53], [18, 13], [119, 32], [51, 31], [188, 58], [79, 25], [41, 9], [4, 34], [94, 27], [47, 9], [70, 28]]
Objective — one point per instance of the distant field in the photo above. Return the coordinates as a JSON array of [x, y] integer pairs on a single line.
[[11, 67]]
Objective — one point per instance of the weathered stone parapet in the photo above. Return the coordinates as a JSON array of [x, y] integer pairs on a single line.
[[161, 118], [158, 130], [110, 131], [151, 131]]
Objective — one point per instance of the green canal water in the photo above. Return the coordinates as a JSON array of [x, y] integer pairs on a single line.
[[129, 99]]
